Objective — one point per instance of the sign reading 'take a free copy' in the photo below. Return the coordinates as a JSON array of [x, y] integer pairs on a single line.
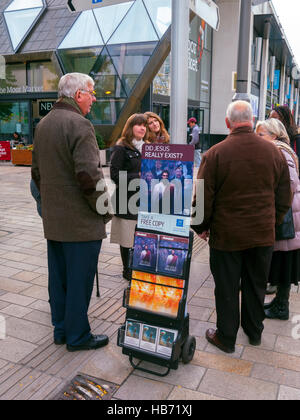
[[80, 5]]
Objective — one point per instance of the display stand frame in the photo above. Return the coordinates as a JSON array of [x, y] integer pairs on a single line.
[[184, 346]]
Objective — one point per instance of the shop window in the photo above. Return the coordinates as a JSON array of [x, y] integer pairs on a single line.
[[135, 27], [42, 76], [79, 60], [14, 116], [130, 60], [160, 12], [108, 18], [162, 81], [15, 81], [84, 33], [205, 77]]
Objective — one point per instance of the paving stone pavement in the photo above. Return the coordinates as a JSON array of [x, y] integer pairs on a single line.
[[33, 368]]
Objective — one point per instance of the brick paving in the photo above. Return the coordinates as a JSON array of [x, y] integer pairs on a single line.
[[33, 368]]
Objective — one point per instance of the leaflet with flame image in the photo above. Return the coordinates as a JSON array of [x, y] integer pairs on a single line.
[[157, 279], [155, 298]]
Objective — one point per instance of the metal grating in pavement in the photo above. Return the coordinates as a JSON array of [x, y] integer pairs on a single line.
[[85, 388]]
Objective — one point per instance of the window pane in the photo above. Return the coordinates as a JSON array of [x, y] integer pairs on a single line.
[[162, 81], [106, 111], [14, 116], [24, 4], [130, 61], [107, 82], [161, 14], [84, 32], [43, 74], [15, 81], [136, 26], [205, 76], [19, 22], [81, 60], [109, 17]]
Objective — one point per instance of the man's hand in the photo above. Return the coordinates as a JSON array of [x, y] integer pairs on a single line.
[[204, 235]]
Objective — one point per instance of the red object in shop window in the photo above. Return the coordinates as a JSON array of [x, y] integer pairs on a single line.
[[5, 150]]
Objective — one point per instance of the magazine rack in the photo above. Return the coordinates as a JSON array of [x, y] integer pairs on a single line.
[[169, 325]]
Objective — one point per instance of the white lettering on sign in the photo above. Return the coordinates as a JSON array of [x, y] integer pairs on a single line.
[[193, 56], [21, 89]]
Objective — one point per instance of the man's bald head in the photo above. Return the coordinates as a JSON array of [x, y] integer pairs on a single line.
[[239, 113]]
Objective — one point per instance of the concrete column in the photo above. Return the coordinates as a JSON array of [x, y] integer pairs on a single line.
[[282, 84], [292, 95], [264, 71], [180, 75]]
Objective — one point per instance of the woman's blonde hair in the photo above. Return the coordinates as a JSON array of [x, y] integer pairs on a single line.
[[276, 128], [127, 133], [163, 135]]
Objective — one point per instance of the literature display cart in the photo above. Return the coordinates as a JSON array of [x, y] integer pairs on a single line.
[[157, 323]]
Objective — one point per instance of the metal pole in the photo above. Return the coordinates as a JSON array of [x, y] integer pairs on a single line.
[[179, 71], [243, 52]]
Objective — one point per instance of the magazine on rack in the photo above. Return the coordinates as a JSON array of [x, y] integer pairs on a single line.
[[172, 255], [145, 251]]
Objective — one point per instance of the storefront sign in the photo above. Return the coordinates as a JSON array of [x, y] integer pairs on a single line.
[[21, 89], [45, 107], [207, 10], [80, 5], [5, 150]]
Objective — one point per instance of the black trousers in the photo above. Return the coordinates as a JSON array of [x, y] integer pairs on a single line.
[[72, 268], [247, 271]]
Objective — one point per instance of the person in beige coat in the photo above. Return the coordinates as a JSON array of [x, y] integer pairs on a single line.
[[66, 169]]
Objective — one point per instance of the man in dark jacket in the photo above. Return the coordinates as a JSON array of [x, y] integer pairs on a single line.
[[66, 169], [246, 192]]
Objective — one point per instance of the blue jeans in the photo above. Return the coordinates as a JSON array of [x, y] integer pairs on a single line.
[[72, 267]]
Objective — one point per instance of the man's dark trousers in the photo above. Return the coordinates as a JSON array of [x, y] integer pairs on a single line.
[[72, 267], [247, 270]]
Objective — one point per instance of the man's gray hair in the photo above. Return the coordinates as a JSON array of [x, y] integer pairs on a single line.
[[239, 111], [70, 83]]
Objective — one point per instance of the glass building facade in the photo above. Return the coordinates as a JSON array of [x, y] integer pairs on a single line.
[[112, 44]]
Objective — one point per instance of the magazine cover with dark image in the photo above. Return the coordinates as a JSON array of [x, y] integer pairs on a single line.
[[145, 251]]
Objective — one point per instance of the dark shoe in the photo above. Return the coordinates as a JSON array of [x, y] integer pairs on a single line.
[[280, 310], [270, 304], [255, 341], [60, 341], [95, 342], [271, 289], [212, 338]]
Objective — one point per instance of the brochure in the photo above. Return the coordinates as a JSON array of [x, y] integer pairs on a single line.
[[145, 251], [166, 339], [132, 333], [149, 338], [172, 255]]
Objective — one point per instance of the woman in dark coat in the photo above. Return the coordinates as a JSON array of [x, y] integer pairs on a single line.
[[126, 167], [284, 114]]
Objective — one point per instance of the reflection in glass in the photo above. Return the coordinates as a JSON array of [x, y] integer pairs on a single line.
[[43, 75], [160, 12], [130, 60], [109, 17], [15, 81], [107, 82], [19, 22], [106, 111], [79, 60], [24, 4], [135, 27], [14, 116], [84, 32]]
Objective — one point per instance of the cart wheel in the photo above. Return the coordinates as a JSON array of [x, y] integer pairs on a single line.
[[188, 349]]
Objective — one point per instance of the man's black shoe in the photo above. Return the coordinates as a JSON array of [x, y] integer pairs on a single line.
[[255, 341], [95, 342], [60, 341]]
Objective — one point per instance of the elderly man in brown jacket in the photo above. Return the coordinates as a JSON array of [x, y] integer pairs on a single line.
[[66, 169], [246, 192]]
